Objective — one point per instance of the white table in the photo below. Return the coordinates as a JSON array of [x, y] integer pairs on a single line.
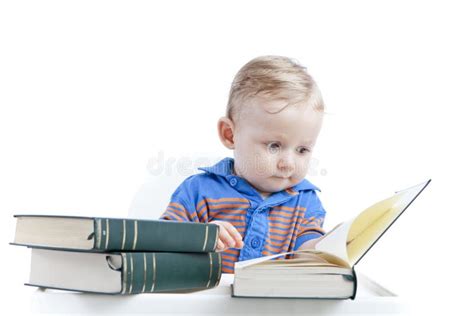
[[371, 299]]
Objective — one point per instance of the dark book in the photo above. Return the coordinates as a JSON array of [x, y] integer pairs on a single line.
[[114, 234], [327, 271], [124, 273]]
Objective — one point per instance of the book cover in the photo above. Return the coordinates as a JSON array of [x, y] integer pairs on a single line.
[[123, 273], [114, 234]]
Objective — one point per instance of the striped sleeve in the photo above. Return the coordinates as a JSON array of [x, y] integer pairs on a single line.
[[181, 206], [311, 226]]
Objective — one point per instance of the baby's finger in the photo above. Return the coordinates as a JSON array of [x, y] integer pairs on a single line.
[[226, 237], [220, 245], [234, 233]]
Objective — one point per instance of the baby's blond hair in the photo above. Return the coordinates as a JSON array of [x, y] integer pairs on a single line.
[[274, 78]]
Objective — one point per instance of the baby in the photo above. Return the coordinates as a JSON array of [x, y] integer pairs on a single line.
[[260, 198]]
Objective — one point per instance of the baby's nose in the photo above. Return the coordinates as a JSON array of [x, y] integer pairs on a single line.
[[286, 165]]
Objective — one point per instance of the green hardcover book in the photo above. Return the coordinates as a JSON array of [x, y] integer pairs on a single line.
[[124, 273], [114, 234]]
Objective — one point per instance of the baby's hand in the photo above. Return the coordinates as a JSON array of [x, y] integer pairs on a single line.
[[229, 237]]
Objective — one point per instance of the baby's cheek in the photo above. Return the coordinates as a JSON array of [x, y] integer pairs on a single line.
[[302, 168], [264, 164]]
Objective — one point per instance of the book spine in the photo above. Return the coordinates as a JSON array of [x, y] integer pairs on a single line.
[[154, 272], [167, 236], [355, 284]]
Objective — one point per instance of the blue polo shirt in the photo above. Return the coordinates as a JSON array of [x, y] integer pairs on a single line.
[[279, 223]]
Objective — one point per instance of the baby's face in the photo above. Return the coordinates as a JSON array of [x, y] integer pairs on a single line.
[[273, 151]]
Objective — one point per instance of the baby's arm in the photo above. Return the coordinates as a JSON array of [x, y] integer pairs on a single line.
[[310, 230], [181, 207], [229, 237], [310, 244]]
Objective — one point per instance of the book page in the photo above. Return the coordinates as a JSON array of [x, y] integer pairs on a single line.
[[268, 259], [375, 220], [333, 244], [251, 262]]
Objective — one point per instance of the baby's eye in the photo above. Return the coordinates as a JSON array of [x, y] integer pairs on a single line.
[[303, 150], [273, 147]]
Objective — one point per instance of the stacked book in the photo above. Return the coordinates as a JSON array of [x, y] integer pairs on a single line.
[[119, 256]]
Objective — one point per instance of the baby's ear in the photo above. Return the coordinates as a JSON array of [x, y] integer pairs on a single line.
[[225, 129]]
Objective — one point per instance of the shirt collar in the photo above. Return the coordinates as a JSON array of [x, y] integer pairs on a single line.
[[305, 185], [222, 168], [225, 166]]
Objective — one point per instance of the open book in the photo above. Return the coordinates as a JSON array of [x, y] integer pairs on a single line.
[[327, 271]]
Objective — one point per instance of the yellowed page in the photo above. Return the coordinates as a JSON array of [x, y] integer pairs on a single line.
[[372, 222]]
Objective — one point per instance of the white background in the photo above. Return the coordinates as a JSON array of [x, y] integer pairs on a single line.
[[90, 91]]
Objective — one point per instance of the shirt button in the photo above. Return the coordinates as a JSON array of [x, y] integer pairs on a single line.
[[255, 243], [233, 182]]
